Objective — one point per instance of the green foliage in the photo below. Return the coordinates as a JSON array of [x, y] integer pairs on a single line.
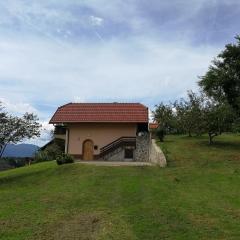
[[197, 114], [236, 126], [217, 118], [160, 133], [15, 129], [11, 162], [222, 81], [43, 156], [164, 115], [64, 159], [189, 115], [51, 151]]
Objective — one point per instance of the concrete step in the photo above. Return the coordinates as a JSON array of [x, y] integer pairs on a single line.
[[116, 163]]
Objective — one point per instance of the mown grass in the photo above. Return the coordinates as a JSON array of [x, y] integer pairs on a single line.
[[196, 197]]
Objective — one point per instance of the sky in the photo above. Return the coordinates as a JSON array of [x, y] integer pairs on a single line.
[[57, 51]]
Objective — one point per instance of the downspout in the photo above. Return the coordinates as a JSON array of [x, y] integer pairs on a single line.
[[67, 141]]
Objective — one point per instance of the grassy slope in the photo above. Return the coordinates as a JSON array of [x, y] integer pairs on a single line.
[[196, 197]]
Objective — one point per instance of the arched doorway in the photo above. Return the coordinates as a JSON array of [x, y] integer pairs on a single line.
[[88, 150]]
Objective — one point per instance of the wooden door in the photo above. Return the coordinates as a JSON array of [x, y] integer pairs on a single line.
[[88, 150]]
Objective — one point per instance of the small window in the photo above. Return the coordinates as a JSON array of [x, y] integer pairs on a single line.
[[95, 147], [129, 153]]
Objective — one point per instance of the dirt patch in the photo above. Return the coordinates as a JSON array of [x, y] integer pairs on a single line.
[[234, 213], [204, 220], [80, 227], [87, 226]]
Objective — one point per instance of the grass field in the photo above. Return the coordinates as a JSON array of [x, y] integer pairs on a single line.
[[196, 197]]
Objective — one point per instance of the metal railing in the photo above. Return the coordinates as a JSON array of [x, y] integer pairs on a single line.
[[122, 141]]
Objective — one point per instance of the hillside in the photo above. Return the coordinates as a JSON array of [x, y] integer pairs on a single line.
[[20, 150], [196, 197]]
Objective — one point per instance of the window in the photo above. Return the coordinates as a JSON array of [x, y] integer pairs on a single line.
[[95, 147], [60, 130], [128, 153]]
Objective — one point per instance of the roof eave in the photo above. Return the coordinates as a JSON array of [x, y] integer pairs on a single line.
[[61, 122]]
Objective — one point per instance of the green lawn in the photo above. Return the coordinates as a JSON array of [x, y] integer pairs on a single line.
[[196, 197]]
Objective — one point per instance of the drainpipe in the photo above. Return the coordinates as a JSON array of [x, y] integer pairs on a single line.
[[66, 141]]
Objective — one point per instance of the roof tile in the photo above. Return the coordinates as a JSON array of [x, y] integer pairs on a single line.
[[101, 112]]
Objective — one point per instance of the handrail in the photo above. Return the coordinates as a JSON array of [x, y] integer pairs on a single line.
[[116, 141]]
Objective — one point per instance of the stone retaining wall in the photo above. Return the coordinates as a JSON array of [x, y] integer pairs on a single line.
[[118, 155], [156, 155]]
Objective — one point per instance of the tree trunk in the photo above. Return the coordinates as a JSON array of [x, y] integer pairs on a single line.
[[2, 150], [189, 134], [210, 138]]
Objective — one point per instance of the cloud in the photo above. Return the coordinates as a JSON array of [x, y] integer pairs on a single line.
[[198, 21], [17, 108], [96, 21], [139, 68], [58, 51]]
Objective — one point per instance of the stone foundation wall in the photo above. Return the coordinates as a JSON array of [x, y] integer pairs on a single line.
[[156, 155], [118, 155], [142, 148], [146, 151]]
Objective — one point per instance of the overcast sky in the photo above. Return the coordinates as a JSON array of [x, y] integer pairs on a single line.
[[58, 51]]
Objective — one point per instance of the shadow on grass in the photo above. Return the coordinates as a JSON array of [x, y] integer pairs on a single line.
[[221, 145], [165, 141]]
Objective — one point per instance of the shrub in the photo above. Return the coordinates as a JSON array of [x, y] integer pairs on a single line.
[[51, 151], [42, 156], [11, 162], [161, 132], [64, 159], [236, 126]]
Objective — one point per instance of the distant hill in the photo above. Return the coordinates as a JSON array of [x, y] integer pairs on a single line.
[[20, 150]]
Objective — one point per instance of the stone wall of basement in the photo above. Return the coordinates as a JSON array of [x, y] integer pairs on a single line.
[[118, 155], [142, 148], [156, 155]]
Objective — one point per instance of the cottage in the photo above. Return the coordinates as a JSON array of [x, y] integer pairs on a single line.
[[104, 131]]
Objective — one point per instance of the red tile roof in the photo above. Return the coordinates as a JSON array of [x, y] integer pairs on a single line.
[[101, 112]]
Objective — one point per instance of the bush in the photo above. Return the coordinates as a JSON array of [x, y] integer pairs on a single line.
[[42, 156], [64, 159], [51, 151], [236, 126], [161, 132], [11, 162]]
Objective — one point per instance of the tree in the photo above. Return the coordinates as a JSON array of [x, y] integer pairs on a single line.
[[163, 114], [222, 80], [189, 114], [197, 114], [15, 129], [217, 118]]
